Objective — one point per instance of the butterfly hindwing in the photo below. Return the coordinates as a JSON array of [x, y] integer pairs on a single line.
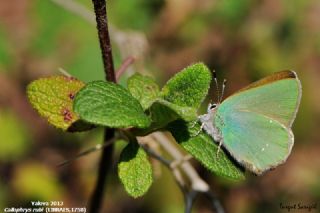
[[257, 142]]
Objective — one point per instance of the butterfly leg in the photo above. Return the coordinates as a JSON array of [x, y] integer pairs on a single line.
[[219, 147], [195, 122], [193, 125], [198, 132]]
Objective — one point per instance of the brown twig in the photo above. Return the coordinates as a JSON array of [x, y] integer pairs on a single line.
[[87, 152], [126, 63], [104, 166], [180, 164], [104, 38], [196, 182], [106, 157]]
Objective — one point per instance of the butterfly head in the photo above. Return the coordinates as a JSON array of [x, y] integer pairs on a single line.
[[212, 107]]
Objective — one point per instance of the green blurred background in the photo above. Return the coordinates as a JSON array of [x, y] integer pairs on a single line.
[[243, 40]]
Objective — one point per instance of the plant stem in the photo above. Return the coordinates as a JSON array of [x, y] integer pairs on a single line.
[[106, 156], [104, 166], [125, 64], [104, 38], [197, 183]]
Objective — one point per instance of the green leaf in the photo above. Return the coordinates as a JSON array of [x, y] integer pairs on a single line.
[[179, 98], [204, 149], [144, 89], [163, 112], [53, 98], [108, 104], [135, 171], [189, 87], [161, 115], [186, 113]]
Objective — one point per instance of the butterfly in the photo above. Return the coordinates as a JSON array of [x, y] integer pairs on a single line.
[[254, 124]]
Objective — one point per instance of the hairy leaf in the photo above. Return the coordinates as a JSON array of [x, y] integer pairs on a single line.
[[163, 112], [53, 98], [108, 104], [179, 98], [135, 171], [189, 87], [144, 89], [204, 149]]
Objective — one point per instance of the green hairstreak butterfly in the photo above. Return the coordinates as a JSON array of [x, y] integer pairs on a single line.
[[254, 124]]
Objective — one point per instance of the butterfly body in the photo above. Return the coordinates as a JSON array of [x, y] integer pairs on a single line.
[[209, 126], [254, 124]]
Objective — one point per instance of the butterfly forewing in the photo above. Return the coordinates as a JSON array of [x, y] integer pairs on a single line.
[[277, 96]]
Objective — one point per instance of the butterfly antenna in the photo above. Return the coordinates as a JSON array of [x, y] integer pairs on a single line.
[[217, 86], [86, 152], [222, 91]]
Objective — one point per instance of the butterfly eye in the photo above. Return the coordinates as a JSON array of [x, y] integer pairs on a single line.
[[212, 106]]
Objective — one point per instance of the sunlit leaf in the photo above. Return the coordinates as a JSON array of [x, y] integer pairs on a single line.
[[189, 87], [53, 98], [108, 104], [135, 171], [144, 89]]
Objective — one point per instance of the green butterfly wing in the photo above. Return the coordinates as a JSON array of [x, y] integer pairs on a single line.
[[255, 122]]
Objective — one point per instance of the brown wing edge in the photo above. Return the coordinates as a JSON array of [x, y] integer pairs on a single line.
[[286, 74], [282, 75], [299, 98]]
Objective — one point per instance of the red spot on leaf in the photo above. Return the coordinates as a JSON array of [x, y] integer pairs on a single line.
[[67, 115], [71, 95]]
